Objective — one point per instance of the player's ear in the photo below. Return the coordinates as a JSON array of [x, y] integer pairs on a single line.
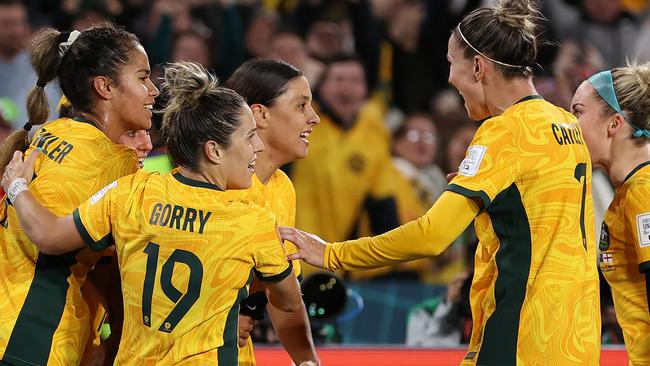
[[479, 68], [614, 124], [213, 152], [103, 86], [261, 114]]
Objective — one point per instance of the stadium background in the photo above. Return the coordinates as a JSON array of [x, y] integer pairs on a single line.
[[402, 47]]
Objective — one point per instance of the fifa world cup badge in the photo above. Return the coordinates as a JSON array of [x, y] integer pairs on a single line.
[[643, 228]]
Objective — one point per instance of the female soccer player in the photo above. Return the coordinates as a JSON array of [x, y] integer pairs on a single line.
[[138, 140], [186, 249], [526, 181], [280, 98], [104, 72], [613, 108]]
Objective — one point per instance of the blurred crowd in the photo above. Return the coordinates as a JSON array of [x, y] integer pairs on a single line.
[[391, 129]]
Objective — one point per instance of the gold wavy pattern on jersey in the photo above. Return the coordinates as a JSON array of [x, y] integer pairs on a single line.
[[628, 284], [93, 163], [559, 322], [239, 236]]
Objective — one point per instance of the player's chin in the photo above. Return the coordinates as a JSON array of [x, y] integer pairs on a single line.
[[300, 151]]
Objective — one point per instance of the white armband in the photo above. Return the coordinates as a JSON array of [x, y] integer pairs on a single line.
[[15, 188]]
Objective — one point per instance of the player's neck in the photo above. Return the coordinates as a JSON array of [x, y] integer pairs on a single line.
[[102, 120], [624, 159], [265, 166], [505, 93], [201, 175]]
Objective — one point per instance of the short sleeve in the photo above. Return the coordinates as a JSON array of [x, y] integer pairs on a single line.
[[491, 163], [93, 218], [637, 220], [291, 216], [270, 259]]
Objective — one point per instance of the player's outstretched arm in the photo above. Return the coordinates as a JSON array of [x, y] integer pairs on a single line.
[[427, 236], [51, 234]]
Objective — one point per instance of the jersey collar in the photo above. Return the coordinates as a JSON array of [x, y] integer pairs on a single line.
[[195, 183], [83, 120], [638, 167], [530, 97]]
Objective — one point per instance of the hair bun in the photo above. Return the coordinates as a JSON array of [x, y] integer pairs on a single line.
[[186, 82], [519, 14], [642, 73]]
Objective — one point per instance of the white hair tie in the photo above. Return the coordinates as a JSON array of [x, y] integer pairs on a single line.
[[64, 46]]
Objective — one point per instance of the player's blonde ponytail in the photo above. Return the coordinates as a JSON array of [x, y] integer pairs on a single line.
[[632, 87], [198, 110]]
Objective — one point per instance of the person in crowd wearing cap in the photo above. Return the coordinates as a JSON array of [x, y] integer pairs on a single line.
[[613, 108], [104, 72], [526, 179]]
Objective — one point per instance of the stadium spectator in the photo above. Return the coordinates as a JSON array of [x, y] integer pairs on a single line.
[[15, 68], [346, 170]]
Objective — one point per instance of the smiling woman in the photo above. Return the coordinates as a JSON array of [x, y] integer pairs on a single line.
[[184, 218], [520, 184], [104, 72], [280, 98]]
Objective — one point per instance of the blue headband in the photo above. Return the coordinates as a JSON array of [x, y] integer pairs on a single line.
[[603, 82]]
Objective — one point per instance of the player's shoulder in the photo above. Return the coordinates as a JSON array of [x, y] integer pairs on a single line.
[[249, 209], [535, 108], [637, 184], [280, 180], [493, 130], [87, 139]]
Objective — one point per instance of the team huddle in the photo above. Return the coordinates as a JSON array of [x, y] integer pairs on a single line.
[[198, 252]]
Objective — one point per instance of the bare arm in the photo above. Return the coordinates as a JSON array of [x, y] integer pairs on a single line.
[[294, 332], [51, 234], [285, 294]]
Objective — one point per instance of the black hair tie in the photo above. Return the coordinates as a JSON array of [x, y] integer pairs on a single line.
[[27, 127], [40, 83]]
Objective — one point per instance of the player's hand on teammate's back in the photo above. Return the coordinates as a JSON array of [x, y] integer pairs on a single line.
[[311, 248], [18, 168]]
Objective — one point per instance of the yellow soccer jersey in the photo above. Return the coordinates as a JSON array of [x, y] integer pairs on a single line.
[[625, 257], [43, 318], [279, 197], [534, 295], [343, 168], [186, 255]]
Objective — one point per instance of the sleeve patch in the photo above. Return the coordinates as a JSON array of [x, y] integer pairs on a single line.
[[643, 226], [471, 163], [102, 192]]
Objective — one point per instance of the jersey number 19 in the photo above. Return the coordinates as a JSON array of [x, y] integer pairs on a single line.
[[183, 301]]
